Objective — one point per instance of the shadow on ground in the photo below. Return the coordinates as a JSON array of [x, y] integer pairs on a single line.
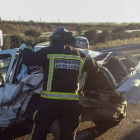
[[94, 132], [16, 131], [133, 135]]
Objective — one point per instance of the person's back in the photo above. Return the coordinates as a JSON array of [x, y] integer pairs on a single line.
[[62, 68]]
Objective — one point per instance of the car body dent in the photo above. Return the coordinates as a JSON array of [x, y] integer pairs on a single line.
[[14, 98], [103, 108]]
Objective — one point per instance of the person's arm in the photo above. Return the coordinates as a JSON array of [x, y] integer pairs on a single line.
[[90, 66], [31, 58]]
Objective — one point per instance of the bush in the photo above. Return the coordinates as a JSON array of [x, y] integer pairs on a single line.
[[92, 36], [6, 43], [119, 30], [15, 41], [131, 27], [104, 36], [136, 34], [32, 32]]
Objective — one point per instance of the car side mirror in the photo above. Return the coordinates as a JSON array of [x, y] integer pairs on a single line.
[[1, 38]]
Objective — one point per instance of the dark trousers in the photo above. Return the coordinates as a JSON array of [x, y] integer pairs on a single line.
[[44, 118]]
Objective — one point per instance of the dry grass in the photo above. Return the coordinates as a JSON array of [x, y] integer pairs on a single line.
[[115, 43]]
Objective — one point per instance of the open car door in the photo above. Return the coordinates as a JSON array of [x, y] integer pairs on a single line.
[[7, 58], [15, 95]]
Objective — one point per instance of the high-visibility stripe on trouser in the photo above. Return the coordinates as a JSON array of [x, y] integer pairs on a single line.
[[32, 131], [34, 124], [60, 95]]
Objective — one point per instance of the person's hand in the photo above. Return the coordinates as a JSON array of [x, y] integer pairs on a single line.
[[22, 47], [31, 45]]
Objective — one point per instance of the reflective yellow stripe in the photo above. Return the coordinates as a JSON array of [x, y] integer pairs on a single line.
[[60, 95], [52, 57], [29, 47], [50, 76], [60, 98], [63, 56], [34, 114], [34, 124], [32, 131]]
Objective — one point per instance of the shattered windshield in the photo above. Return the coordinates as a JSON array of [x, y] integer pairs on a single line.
[[4, 64]]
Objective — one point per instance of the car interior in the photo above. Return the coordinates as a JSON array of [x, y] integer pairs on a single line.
[[101, 81], [117, 69]]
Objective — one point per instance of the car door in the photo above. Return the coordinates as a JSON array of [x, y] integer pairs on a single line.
[[7, 58], [129, 87]]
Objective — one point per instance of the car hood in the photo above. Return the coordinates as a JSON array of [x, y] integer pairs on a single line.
[[90, 53]]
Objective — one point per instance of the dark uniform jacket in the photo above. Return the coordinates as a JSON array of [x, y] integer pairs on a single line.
[[62, 68]]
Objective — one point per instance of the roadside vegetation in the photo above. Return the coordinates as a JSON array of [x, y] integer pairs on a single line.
[[121, 35], [99, 35]]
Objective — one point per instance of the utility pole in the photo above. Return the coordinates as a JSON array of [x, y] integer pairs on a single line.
[[19, 18]]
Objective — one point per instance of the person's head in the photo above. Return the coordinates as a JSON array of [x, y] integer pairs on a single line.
[[62, 36]]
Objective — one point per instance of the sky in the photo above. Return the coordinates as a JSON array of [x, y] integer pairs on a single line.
[[71, 10]]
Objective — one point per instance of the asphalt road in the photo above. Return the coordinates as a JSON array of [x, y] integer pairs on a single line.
[[127, 129]]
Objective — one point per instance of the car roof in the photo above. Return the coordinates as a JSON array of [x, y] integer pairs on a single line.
[[81, 37], [90, 53]]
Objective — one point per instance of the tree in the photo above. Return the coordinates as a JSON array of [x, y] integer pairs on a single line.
[[79, 30], [15, 40], [131, 27], [104, 36], [92, 36]]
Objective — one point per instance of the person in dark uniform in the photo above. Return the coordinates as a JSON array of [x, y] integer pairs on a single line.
[[62, 67]]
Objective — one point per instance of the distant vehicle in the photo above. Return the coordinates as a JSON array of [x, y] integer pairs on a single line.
[[82, 42]]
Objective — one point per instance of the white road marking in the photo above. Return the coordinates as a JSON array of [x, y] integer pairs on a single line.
[[120, 47]]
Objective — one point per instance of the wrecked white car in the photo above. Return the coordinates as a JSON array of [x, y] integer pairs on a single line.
[[102, 97]]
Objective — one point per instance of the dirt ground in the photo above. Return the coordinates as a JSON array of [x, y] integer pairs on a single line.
[[127, 129]]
